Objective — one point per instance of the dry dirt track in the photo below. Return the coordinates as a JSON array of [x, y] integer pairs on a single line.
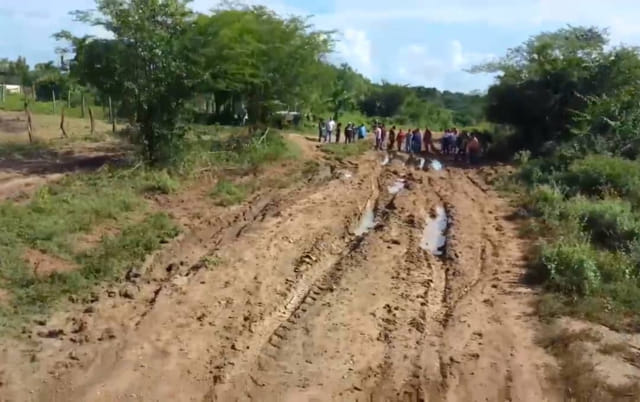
[[294, 307]]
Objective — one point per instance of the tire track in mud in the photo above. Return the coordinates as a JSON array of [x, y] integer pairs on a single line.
[[407, 323], [479, 349], [256, 211], [308, 288]]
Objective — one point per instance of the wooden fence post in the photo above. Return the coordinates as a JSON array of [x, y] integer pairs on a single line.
[[83, 106], [29, 122], [91, 119], [69, 99], [53, 98], [112, 117], [33, 92], [64, 132]]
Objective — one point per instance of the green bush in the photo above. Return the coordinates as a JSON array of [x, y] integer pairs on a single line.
[[570, 268], [545, 201], [602, 175], [611, 223]]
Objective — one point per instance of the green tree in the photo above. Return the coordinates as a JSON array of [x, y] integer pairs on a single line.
[[149, 61], [251, 55], [542, 83]]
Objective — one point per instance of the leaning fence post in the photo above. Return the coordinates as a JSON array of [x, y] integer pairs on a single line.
[[93, 127], [29, 122], [112, 117], [53, 98]]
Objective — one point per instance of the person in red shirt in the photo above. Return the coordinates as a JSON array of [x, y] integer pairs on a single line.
[[400, 139]]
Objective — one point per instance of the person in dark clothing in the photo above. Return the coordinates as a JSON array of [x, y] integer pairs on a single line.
[[428, 140], [338, 132], [461, 145], [348, 133], [321, 130], [392, 137]]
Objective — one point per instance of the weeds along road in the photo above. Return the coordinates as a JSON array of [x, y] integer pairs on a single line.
[[281, 301]]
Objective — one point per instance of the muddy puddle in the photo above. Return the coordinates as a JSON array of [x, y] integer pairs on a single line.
[[397, 186], [367, 220], [421, 162], [435, 165], [434, 235]]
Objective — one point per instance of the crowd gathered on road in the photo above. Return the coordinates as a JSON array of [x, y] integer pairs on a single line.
[[462, 146]]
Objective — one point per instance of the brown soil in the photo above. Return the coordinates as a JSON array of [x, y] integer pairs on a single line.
[[277, 300], [44, 264]]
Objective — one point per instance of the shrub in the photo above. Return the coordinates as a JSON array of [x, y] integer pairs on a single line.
[[545, 201], [571, 268], [601, 175], [611, 223]]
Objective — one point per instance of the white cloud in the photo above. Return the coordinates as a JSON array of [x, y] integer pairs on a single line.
[[354, 47], [425, 68]]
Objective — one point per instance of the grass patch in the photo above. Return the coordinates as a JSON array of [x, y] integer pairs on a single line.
[[345, 151], [227, 193], [53, 219], [15, 103], [31, 295]]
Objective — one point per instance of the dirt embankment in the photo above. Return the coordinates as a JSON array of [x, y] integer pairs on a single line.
[[281, 300]]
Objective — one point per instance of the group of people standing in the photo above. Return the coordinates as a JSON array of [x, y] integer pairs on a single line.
[[461, 146], [352, 132]]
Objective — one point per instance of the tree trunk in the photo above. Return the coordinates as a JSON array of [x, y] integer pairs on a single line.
[[111, 117], [53, 98], [93, 127], [2, 93], [29, 122], [83, 106], [33, 92], [69, 99], [64, 133]]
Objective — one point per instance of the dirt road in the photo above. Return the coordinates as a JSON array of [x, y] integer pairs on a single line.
[[288, 298]]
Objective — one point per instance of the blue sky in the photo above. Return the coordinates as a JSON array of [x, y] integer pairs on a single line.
[[419, 42]]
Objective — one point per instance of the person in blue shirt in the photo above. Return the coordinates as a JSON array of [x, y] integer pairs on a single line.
[[362, 132], [416, 141]]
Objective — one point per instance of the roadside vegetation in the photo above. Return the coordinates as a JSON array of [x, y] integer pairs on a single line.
[[577, 146]]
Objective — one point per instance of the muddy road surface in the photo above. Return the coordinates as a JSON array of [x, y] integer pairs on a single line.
[[329, 291]]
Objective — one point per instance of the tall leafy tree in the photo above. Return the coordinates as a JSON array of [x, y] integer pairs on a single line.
[[149, 61]]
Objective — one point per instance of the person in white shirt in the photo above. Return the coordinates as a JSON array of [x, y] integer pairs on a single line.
[[331, 127]]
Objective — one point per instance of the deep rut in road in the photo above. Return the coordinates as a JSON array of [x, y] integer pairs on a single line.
[[298, 306]]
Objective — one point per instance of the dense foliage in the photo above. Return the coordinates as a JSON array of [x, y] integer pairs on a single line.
[[571, 101]]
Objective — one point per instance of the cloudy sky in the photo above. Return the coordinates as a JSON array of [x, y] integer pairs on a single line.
[[421, 42]]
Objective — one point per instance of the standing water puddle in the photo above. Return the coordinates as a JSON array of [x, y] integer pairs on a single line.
[[421, 162], [435, 165], [397, 186], [433, 237], [366, 220]]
